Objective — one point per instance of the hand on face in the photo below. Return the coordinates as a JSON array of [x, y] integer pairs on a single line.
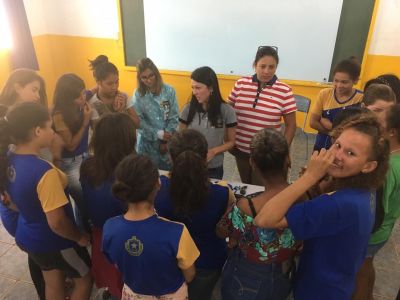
[[87, 113], [319, 164], [119, 103]]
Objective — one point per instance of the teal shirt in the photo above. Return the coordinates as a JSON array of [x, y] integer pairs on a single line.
[[156, 112]]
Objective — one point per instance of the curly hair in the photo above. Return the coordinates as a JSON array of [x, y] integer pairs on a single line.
[[379, 152], [269, 151]]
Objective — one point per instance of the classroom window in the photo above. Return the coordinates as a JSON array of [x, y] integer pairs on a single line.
[[133, 30], [5, 33]]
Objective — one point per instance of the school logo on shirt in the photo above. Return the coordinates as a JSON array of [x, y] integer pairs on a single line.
[[134, 246], [11, 174]]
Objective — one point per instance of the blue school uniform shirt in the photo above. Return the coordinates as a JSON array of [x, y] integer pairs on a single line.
[[201, 224], [335, 229], [9, 219], [149, 253], [100, 202], [37, 187]]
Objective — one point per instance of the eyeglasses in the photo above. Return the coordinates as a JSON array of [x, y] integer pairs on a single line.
[[150, 76], [274, 48]]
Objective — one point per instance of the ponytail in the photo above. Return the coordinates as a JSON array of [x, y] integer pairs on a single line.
[[16, 127], [189, 182], [189, 176]]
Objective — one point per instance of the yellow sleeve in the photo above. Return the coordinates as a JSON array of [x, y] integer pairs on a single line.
[[187, 250], [316, 107], [59, 123], [50, 191]]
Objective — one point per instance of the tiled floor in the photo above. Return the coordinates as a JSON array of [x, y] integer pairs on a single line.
[[15, 282]]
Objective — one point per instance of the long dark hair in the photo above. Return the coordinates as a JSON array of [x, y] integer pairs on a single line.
[[68, 88], [207, 76], [17, 128], [142, 65], [22, 77], [189, 175], [114, 137]]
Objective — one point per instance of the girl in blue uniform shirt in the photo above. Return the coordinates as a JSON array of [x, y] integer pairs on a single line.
[[72, 116], [25, 85], [155, 256], [189, 197], [157, 108], [113, 138], [335, 227], [45, 229]]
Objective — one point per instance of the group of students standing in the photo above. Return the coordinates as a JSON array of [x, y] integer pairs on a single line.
[[165, 237]]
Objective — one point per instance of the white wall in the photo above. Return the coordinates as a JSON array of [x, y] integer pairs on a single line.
[[225, 34], [386, 35], [88, 18]]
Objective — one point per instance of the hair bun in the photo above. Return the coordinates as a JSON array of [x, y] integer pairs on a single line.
[[122, 191], [99, 60]]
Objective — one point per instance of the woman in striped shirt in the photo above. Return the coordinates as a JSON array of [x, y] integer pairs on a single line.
[[260, 101]]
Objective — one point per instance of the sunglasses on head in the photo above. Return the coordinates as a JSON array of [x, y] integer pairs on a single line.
[[274, 48]]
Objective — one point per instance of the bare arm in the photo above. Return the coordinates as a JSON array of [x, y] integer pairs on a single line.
[[290, 126], [60, 224], [320, 124], [132, 113], [189, 273], [182, 126], [272, 215], [229, 142], [72, 141]]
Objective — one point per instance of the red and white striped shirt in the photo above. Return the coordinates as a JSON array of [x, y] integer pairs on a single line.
[[255, 113]]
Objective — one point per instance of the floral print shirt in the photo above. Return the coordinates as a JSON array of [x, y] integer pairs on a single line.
[[264, 245]]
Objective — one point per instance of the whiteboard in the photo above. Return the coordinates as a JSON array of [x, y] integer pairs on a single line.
[[225, 34]]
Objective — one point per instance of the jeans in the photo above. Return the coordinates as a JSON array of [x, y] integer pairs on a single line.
[[246, 280], [71, 167], [201, 288], [216, 173]]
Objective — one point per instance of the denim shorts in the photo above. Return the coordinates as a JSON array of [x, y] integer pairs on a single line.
[[245, 280]]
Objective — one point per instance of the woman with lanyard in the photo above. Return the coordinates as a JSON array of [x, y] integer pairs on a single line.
[[332, 100], [157, 108], [208, 113], [72, 116], [260, 101]]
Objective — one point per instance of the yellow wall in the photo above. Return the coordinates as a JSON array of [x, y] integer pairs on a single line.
[[380, 64], [5, 68], [59, 54]]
